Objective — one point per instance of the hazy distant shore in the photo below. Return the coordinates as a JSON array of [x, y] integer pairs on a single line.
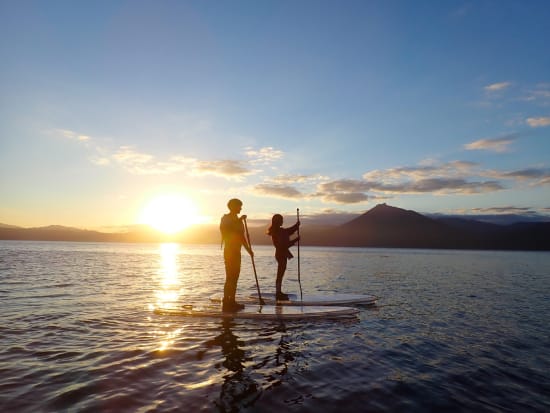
[[383, 226]]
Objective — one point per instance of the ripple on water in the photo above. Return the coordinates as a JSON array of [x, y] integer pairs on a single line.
[[453, 331]]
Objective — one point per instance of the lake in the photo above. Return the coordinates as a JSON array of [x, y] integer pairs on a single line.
[[453, 331]]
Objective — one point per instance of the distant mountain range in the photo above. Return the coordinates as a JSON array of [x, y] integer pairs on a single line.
[[387, 226], [382, 226]]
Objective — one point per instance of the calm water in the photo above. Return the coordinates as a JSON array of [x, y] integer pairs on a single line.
[[453, 331]]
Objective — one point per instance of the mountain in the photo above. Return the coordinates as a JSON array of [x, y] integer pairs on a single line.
[[51, 233], [382, 226], [468, 224], [524, 235], [8, 226], [392, 227], [387, 226]]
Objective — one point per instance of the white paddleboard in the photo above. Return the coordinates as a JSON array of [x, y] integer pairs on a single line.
[[261, 312], [310, 300], [314, 300]]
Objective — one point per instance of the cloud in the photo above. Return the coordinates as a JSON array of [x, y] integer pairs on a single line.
[[344, 191], [445, 185], [278, 191], [345, 185], [69, 134], [503, 210], [540, 94], [505, 215], [455, 177], [537, 176], [264, 155], [285, 186], [511, 214], [100, 161], [538, 122], [423, 186], [292, 179], [143, 163], [437, 186], [346, 197], [528, 173], [500, 144], [532, 176], [128, 156], [140, 163], [427, 169], [497, 87], [460, 177], [231, 169], [100, 158]]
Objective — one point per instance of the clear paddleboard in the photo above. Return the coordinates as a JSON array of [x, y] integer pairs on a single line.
[[309, 300], [261, 312]]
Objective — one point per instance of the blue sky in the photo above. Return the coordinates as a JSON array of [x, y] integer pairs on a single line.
[[330, 107]]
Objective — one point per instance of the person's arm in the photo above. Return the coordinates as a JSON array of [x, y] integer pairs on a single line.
[[246, 245], [244, 241], [294, 228]]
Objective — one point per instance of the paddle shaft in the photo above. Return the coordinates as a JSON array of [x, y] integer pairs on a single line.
[[253, 264], [299, 280]]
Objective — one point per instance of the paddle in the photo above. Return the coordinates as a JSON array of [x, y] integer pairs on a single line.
[[299, 281], [262, 302]]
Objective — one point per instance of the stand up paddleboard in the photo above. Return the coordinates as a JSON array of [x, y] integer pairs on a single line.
[[262, 312], [310, 300]]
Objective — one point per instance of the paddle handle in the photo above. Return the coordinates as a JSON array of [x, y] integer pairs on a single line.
[[253, 263], [299, 280]]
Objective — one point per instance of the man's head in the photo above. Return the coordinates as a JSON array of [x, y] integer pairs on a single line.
[[235, 205]]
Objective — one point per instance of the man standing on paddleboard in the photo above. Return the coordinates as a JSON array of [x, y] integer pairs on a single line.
[[233, 238]]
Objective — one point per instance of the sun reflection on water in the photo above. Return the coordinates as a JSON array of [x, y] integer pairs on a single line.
[[169, 266], [169, 283], [169, 289], [168, 338]]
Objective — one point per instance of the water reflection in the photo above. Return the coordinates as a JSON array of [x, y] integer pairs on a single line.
[[248, 374], [238, 389], [169, 289], [284, 354], [168, 339], [169, 267]]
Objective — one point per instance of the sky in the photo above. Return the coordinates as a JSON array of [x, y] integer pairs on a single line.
[[331, 107]]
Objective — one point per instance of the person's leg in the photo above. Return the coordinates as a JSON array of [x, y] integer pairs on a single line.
[[229, 276], [281, 268], [232, 271]]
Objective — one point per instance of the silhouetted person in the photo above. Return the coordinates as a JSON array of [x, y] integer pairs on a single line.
[[281, 240], [232, 230]]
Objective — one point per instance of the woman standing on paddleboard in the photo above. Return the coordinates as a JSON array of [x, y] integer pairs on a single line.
[[233, 238], [281, 240]]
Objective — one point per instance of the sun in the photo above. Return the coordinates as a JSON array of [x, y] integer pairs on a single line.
[[170, 213]]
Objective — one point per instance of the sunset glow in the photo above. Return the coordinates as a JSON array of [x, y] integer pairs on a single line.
[[329, 112], [170, 213]]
